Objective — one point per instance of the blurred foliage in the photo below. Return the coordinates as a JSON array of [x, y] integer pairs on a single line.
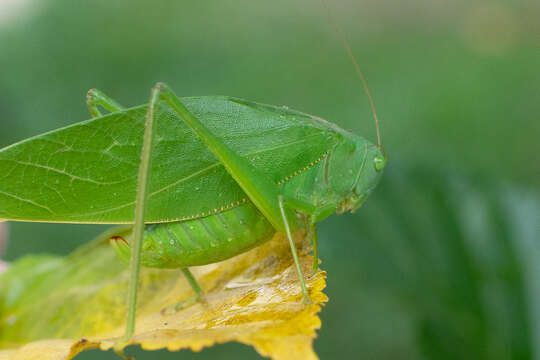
[[454, 260], [439, 263]]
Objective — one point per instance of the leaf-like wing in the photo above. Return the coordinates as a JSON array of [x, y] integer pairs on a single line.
[[87, 172]]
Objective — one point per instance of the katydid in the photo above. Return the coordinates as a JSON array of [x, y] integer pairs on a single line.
[[207, 178], [235, 173]]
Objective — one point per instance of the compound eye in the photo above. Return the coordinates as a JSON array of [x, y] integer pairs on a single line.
[[379, 162]]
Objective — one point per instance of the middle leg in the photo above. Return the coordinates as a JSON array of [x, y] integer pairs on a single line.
[[192, 299]]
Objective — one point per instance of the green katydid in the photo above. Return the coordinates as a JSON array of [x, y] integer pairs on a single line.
[[232, 173]]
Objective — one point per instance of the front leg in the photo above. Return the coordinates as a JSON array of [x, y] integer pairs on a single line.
[[312, 235], [307, 299]]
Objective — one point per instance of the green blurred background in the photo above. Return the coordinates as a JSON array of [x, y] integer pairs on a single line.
[[443, 261]]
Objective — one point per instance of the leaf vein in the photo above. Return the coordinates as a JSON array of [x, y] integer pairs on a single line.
[[27, 201], [63, 172]]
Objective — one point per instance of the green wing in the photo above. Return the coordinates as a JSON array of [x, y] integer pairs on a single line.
[[87, 172]]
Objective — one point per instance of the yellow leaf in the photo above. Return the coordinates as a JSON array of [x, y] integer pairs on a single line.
[[77, 303]]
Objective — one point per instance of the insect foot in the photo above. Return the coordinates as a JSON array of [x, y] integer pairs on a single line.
[[192, 300]]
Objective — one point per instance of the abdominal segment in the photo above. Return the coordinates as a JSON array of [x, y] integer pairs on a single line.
[[205, 240]]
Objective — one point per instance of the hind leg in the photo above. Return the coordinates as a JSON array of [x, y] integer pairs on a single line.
[[138, 225]]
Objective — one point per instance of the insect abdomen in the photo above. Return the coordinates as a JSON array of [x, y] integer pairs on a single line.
[[205, 240]]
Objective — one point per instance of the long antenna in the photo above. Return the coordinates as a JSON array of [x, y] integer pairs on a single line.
[[347, 47]]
